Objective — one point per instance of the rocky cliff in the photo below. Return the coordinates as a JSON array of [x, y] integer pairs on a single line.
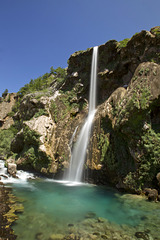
[[124, 148], [6, 104]]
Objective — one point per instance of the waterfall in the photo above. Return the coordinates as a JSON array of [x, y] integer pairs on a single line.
[[79, 150]]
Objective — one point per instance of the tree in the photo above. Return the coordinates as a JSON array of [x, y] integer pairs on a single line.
[[4, 94], [52, 70]]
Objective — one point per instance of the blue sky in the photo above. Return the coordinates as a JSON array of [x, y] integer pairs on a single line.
[[38, 34]]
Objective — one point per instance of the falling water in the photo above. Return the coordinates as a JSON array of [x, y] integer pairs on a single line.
[[79, 150]]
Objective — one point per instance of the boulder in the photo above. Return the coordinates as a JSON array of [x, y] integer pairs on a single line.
[[151, 193], [17, 143], [29, 106], [12, 169], [158, 178], [142, 235]]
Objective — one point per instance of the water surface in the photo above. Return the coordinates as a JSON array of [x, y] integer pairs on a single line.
[[51, 207]]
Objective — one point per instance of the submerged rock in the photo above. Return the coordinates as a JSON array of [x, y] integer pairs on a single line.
[[142, 235], [6, 232], [57, 236], [90, 215]]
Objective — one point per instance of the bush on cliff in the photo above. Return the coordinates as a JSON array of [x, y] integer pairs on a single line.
[[43, 82], [6, 136]]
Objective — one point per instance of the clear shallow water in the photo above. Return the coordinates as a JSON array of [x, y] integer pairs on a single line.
[[51, 206], [73, 203]]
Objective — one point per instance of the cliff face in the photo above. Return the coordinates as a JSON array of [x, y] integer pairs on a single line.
[[124, 148], [6, 105]]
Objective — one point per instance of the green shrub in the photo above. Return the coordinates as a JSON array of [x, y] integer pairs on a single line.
[[31, 137], [54, 110], [103, 144], [6, 136], [123, 43], [41, 112], [4, 94], [150, 161], [43, 82], [35, 158]]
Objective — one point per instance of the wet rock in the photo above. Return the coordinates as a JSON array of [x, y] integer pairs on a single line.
[[151, 193], [70, 225], [147, 191], [12, 169], [90, 215], [142, 235], [100, 220], [10, 160], [56, 237], [39, 236], [158, 178], [6, 231], [3, 175]]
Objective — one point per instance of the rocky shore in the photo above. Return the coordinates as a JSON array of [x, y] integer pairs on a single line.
[[6, 231], [9, 208]]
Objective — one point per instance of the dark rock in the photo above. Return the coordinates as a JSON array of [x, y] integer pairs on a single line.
[[70, 225], [90, 215], [147, 191], [17, 143], [142, 235], [6, 231], [39, 236], [3, 175], [151, 193], [158, 177], [29, 106]]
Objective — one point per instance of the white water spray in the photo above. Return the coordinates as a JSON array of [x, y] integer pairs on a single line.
[[79, 150], [22, 176]]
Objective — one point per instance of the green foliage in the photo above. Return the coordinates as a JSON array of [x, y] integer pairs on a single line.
[[147, 150], [140, 98], [4, 94], [141, 71], [41, 112], [156, 31], [130, 182], [123, 43], [134, 78], [150, 161], [36, 158], [16, 127], [103, 144], [66, 103], [54, 110], [10, 114], [146, 71], [6, 136], [110, 159], [15, 108], [31, 137], [43, 82]]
